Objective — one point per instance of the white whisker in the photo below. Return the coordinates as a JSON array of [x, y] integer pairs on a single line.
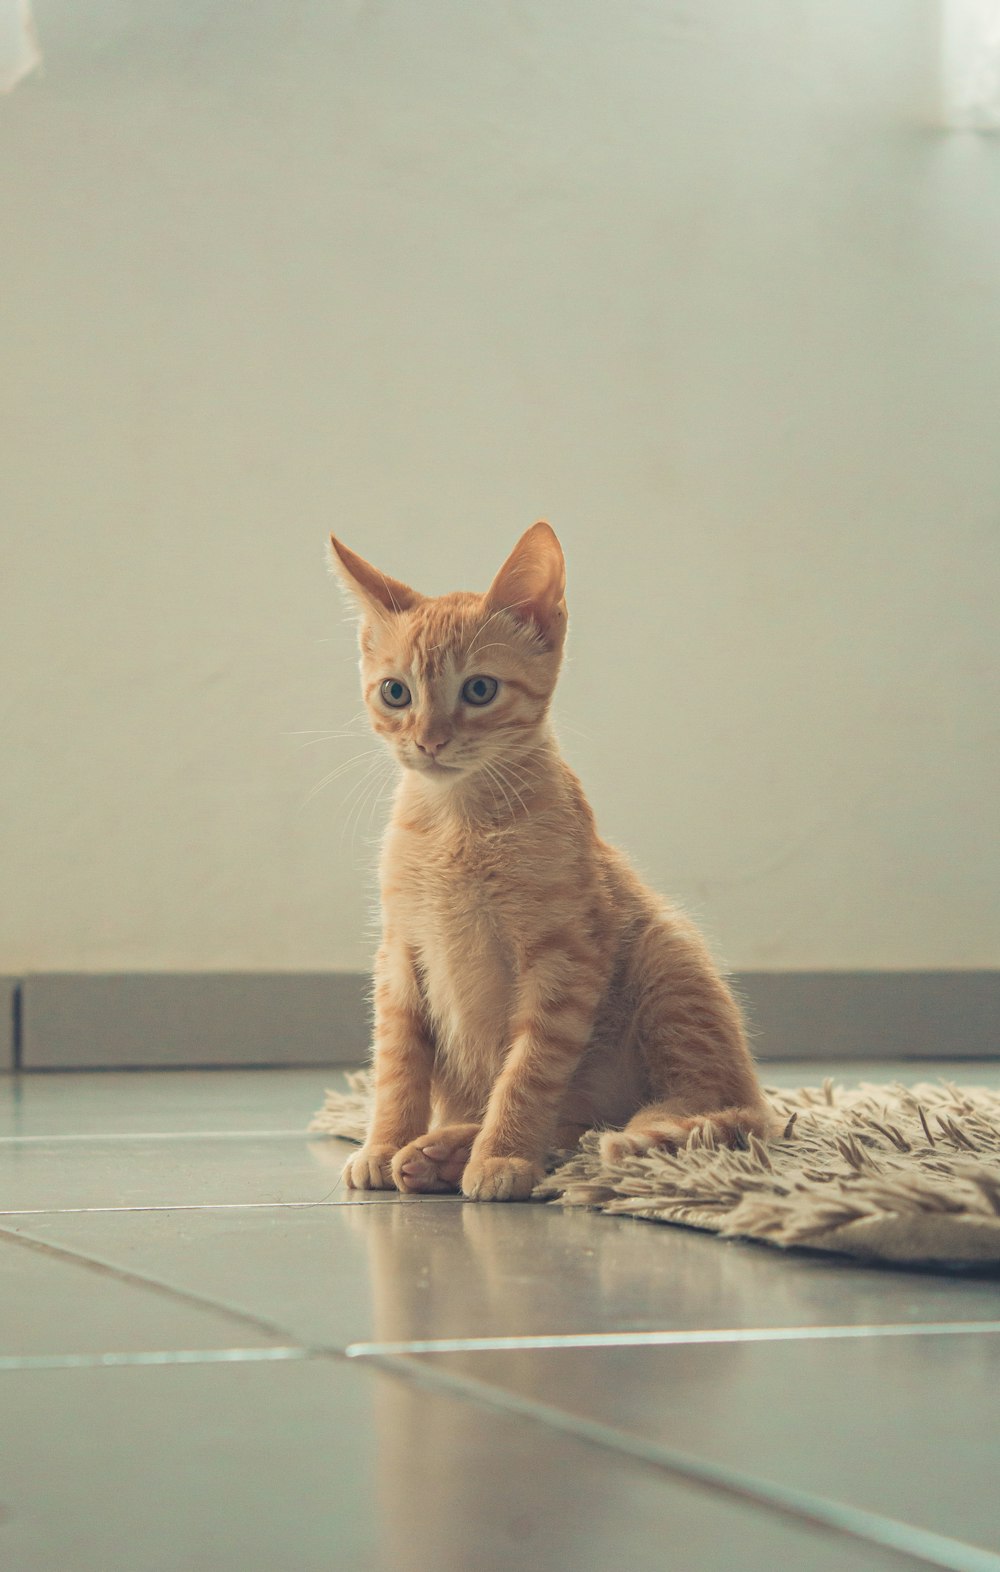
[[525, 783], [358, 792], [483, 648], [385, 585], [379, 799], [489, 783], [562, 725], [493, 775], [340, 769], [493, 614], [332, 736], [370, 798], [500, 770], [482, 630], [323, 734]]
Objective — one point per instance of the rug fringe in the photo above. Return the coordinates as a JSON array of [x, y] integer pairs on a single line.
[[885, 1172]]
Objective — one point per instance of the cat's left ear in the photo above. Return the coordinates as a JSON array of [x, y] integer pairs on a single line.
[[532, 583], [373, 590]]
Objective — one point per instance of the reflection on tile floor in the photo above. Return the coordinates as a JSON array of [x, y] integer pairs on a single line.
[[322, 1466], [195, 1369], [781, 1407]]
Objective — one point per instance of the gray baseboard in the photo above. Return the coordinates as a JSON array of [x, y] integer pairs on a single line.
[[873, 1015], [9, 1034], [159, 1020], [166, 1020]]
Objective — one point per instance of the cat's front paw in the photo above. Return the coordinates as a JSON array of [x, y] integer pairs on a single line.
[[500, 1178], [370, 1169], [436, 1161]]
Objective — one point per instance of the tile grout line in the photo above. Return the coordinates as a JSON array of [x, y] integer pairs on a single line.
[[675, 1337], [137, 1279], [167, 1135], [223, 1206], [169, 1206], [903, 1539], [686, 1337], [114, 1359]]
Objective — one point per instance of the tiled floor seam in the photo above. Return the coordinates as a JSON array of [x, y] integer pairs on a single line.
[[674, 1337], [167, 1206], [163, 1135], [117, 1359], [225, 1206], [914, 1545], [123, 1274]]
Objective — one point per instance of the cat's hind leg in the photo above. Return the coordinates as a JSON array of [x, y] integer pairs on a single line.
[[434, 1162], [670, 1125], [699, 1069]]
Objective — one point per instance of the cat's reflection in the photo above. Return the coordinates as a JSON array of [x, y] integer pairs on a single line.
[[460, 1484], [451, 1466]]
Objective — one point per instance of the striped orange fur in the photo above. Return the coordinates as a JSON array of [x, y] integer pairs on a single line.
[[528, 985]]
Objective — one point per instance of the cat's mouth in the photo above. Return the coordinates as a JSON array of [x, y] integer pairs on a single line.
[[428, 766]]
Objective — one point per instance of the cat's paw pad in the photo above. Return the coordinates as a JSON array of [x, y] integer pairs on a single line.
[[500, 1178], [434, 1163], [370, 1169]]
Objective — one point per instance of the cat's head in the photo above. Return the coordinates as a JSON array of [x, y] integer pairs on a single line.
[[457, 683]]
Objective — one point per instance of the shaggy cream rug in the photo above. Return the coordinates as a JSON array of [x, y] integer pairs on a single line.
[[909, 1175]]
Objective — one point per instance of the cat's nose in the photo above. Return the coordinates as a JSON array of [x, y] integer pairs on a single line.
[[433, 743]]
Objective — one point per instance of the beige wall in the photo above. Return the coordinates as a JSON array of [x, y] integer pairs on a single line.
[[703, 283]]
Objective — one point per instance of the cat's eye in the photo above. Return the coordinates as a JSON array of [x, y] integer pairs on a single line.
[[480, 690], [395, 693]]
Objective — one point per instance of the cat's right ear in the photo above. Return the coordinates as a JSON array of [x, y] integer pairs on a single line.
[[374, 593], [532, 583]]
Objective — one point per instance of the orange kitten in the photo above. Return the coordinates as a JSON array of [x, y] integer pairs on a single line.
[[528, 985]]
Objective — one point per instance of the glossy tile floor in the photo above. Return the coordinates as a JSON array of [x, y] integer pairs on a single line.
[[214, 1357]]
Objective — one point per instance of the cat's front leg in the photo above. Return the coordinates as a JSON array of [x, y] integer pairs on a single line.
[[403, 1055], [552, 1029]]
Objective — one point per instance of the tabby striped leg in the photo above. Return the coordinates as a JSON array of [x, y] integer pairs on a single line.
[[507, 1158], [403, 1055]]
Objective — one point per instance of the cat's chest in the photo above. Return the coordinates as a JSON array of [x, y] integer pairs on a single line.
[[452, 907]]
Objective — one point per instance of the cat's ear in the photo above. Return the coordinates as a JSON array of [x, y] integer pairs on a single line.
[[532, 582], [374, 592]]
